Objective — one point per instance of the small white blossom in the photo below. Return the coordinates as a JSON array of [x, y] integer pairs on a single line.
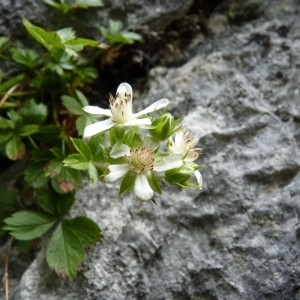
[[141, 161], [184, 144], [120, 112]]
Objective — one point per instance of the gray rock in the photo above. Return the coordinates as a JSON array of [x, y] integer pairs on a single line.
[[86, 22], [239, 237]]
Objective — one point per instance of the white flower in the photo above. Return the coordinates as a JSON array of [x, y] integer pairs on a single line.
[[120, 112], [141, 161], [184, 144]]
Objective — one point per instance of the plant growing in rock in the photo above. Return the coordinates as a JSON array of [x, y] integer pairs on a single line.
[[49, 134]]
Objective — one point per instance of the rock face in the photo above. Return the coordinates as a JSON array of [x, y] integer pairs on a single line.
[[238, 238], [87, 22]]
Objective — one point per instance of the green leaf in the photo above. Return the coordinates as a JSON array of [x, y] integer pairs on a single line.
[[15, 148], [26, 130], [127, 183], [81, 123], [66, 7], [28, 225], [85, 229], [33, 113], [76, 161], [72, 105], [154, 182], [8, 202], [93, 173], [48, 133], [11, 82], [27, 57], [64, 203], [82, 148], [65, 251], [45, 198], [48, 39], [3, 42], [5, 135], [5, 123], [67, 180], [35, 174]]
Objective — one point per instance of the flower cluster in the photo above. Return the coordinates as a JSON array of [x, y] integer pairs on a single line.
[[139, 150]]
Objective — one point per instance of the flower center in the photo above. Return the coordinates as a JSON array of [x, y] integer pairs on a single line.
[[141, 159], [121, 107]]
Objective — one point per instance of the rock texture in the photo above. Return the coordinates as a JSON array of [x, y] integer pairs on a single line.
[[239, 238], [87, 22]]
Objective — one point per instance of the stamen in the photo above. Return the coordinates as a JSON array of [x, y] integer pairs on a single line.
[[141, 159]]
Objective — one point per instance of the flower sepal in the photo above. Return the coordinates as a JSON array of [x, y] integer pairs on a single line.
[[164, 126], [154, 182], [182, 176], [127, 183]]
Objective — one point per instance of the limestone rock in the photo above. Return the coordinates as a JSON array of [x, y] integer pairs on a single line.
[[239, 237]]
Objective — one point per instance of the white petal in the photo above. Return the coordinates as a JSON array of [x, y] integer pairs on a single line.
[[142, 189], [116, 172], [95, 128], [95, 110], [169, 162], [199, 178], [155, 106], [119, 151], [137, 122], [124, 88]]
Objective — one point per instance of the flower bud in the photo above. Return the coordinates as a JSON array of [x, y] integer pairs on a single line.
[[164, 126]]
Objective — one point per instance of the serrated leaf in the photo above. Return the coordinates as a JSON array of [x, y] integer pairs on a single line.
[[65, 251], [67, 180], [15, 148], [85, 229], [76, 161], [127, 183], [27, 57], [28, 225], [48, 39], [82, 148], [33, 113], [66, 34], [35, 174]]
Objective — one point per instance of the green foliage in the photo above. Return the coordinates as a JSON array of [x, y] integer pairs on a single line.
[[66, 6], [114, 33], [45, 152], [62, 39], [28, 225]]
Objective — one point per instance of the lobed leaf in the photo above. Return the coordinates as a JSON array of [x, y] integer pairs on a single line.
[[28, 225], [65, 251]]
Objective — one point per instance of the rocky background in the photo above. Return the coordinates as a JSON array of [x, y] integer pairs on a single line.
[[236, 78]]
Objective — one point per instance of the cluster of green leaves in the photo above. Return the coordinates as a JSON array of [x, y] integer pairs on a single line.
[[41, 102], [115, 34], [67, 6]]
